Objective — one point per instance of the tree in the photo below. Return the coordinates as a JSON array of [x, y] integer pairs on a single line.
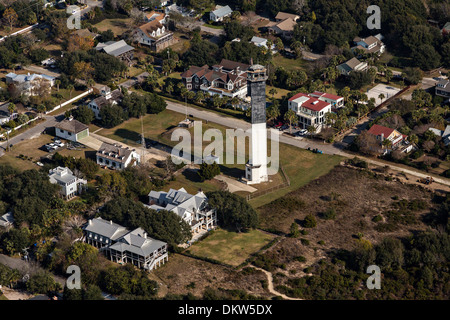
[[291, 117], [273, 111], [273, 92], [111, 116], [381, 97], [70, 87], [11, 109], [311, 130], [293, 230], [41, 282], [10, 17], [388, 75], [233, 212], [412, 75], [208, 171]]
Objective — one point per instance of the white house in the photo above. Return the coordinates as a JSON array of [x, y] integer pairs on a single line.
[[106, 97], [335, 101], [123, 246], [443, 88], [70, 184], [370, 44], [194, 209], [220, 13], [6, 220], [31, 85], [262, 42], [71, 129], [310, 111], [114, 156], [154, 34]]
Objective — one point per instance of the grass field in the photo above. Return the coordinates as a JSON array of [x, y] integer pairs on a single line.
[[117, 26], [289, 64], [230, 247], [301, 166]]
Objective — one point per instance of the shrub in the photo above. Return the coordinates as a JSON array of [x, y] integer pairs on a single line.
[[377, 218], [310, 221], [330, 213], [300, 259]]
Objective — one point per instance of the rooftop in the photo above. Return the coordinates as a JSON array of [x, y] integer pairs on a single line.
[[71, 125], [309, 102]]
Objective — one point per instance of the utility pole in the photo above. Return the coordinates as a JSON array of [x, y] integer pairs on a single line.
[[142, 139]]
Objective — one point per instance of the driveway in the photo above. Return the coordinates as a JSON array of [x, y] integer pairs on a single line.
[[216, 32], [41, 70]]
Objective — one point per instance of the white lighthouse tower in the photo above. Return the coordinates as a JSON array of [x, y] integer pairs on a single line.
[[256, 167]]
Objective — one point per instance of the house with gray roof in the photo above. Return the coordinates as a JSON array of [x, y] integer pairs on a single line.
[[114, 156], [220, 13], [106, 97], [70, 184], [444, 134], [6, 220], [262, 42], [194, 209], [443, 88], [31, 84], [119, 49], [123, 246], [351, 65], [71, 129]]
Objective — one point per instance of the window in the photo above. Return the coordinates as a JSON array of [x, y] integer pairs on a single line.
[[69, 133]]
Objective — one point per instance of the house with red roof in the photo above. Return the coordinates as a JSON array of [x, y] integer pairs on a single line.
[[335, 101], [310, 110], [398, 140], [229, 78]]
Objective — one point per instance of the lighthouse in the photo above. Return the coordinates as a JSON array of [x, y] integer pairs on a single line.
[[256, 167]]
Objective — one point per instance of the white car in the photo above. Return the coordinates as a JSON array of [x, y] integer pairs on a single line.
[[302, 132]]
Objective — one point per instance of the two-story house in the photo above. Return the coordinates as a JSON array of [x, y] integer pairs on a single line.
[[397, 140], [107, 97], [123, 246], [443, 88], [114, 156], [31, 84], [155, 35], [351, 65], [69, 183], [370, 44], [310, 111], [194, 209], [335, 101], [228, 79]]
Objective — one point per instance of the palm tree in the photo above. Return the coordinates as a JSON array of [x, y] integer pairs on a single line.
[[57, 82], [413, 139], [387, 143], [70, 87], [311, 130], [234, 102], [381, 97], [11, 109], [273, 111], [291, 117]]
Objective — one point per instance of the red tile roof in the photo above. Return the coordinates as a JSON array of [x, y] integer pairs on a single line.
[[326, 95], [312, 103], [377, 130]]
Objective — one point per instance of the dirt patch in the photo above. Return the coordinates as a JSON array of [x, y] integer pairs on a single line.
[[183, 275]]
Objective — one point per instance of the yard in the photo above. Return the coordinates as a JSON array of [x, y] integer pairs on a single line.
[[31, 150], [117, 26], [230, 247], [289, 64]]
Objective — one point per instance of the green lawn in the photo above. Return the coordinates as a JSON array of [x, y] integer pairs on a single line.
[[300, 165], [230, 247], [289, 64]]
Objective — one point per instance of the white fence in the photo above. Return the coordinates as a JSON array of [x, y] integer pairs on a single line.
[[70, 101], [20, 31]]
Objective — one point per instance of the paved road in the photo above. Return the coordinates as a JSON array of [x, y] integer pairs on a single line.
[[216, 32], [49, 122], [26, 267], [41, 70], [336, 148]]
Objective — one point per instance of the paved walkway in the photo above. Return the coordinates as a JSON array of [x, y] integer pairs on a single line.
[[234, 185]]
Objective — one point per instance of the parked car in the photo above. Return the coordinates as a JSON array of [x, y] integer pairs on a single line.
[[277, 126], [302, 132], [284, 127]]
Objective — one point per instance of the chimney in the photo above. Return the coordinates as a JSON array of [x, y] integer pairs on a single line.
[[90, 222], [110, 222], [382, 137]]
